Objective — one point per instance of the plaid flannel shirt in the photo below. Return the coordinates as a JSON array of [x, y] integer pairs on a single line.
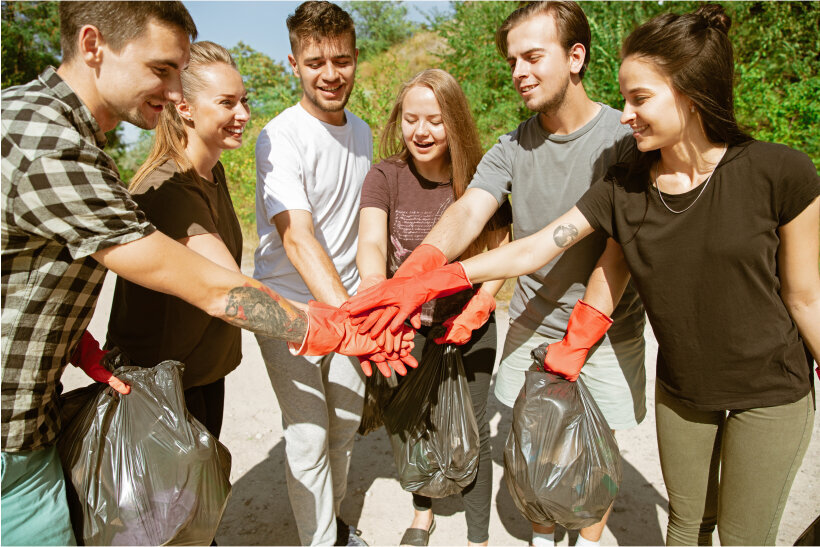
[[62, 201]]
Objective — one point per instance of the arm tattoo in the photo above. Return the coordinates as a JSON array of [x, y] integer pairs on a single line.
[[565, 235], [259, 310]]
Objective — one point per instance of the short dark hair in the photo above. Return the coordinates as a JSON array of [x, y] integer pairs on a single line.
[[119, 22], [316, 20], [694, 51], [570, 21]]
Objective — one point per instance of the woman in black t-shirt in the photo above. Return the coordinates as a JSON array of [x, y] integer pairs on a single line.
[[720, 234], [181, 187]]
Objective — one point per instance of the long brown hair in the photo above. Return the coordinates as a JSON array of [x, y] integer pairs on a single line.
[[170, 139], [464, 146]]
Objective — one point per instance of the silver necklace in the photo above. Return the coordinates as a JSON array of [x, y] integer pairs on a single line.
[[702, 189]]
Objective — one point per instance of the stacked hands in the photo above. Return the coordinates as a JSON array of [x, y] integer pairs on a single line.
[[371, 325], [382, 306]]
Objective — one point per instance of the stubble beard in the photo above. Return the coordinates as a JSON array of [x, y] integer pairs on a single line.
[[135, 117], [324, 107], [552, 104]]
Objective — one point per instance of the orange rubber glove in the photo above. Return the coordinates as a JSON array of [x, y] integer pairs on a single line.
[[387, 362], [473, 315], [585, 327], [424, 258], [330, 330], [88, 355], [407, 294]]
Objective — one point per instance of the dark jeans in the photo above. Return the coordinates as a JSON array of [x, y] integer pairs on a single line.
[[206, 404], [478, 356]]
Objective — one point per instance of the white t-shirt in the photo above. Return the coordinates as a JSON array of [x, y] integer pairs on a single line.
[[304, 163]]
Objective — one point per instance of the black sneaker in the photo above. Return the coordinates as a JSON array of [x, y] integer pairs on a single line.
[[348, 535]]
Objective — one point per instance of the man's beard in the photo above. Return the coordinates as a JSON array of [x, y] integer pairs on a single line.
[[552, 104], [336, 107]]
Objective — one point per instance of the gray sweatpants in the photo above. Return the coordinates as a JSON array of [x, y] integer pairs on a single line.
[[321, 400]]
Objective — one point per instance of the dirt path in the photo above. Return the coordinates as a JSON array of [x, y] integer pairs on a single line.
[[259, 512]]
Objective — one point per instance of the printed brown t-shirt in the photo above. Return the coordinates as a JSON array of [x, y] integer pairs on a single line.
[[413, 205]]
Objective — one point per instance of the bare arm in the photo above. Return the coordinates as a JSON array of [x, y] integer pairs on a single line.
[[310, 259], [800, 280], [526, 255], [213, 248], [462, 222], [162, 264], [499, 238], [371, 255], [608, 280]]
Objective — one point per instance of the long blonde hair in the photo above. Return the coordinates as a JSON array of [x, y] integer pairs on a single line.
[[464, 146], [170, 139]]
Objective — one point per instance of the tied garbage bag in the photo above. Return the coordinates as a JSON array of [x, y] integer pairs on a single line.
[[561, 459], [378, 392], [432, 426], [140, 470]]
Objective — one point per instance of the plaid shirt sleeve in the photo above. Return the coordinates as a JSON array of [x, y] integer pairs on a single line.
[[73, 198]]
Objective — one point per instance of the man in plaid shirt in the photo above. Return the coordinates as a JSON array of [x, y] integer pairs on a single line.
[[66, 217]]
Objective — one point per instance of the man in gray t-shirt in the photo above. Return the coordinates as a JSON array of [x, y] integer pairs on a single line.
[[544, 167]]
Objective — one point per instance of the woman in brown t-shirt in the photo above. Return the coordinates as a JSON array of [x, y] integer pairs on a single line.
[[432, 149], [182, 190]]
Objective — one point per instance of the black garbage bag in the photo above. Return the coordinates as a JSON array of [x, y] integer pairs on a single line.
[[378, 392], [561, 459], [140, 469], [432, 426]]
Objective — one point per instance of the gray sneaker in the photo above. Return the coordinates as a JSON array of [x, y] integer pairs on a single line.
[[348, 535]]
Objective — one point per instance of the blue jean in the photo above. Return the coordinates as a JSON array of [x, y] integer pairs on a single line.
[[34, 507]]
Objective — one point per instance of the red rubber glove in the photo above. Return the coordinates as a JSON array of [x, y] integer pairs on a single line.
[[424, 258], [87, 356], [473, 315], [585, 327], [408, 294], [330, 330]]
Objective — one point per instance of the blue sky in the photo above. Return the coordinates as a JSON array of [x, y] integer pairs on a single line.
[[261, 25]]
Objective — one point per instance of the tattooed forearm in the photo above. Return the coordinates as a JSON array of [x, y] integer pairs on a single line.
[[261, 311], [564, 235]]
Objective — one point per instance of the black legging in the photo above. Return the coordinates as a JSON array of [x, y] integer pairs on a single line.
[[478, 356], [206, 404]]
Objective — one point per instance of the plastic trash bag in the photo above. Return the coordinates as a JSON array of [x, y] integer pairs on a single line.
[[378, 392], [140, 470], [561, 459], [432, 426]]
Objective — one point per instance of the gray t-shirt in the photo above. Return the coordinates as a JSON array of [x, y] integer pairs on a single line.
[[544, 175]]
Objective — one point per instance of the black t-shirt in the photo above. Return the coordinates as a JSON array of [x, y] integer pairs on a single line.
[[150, 326], [708, 277]]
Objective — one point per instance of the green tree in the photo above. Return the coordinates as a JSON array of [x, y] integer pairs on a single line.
[[30, 40], [473, 60], [271, 86], [379, 25]]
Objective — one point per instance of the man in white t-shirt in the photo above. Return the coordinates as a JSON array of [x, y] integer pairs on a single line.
[[311, 161]]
